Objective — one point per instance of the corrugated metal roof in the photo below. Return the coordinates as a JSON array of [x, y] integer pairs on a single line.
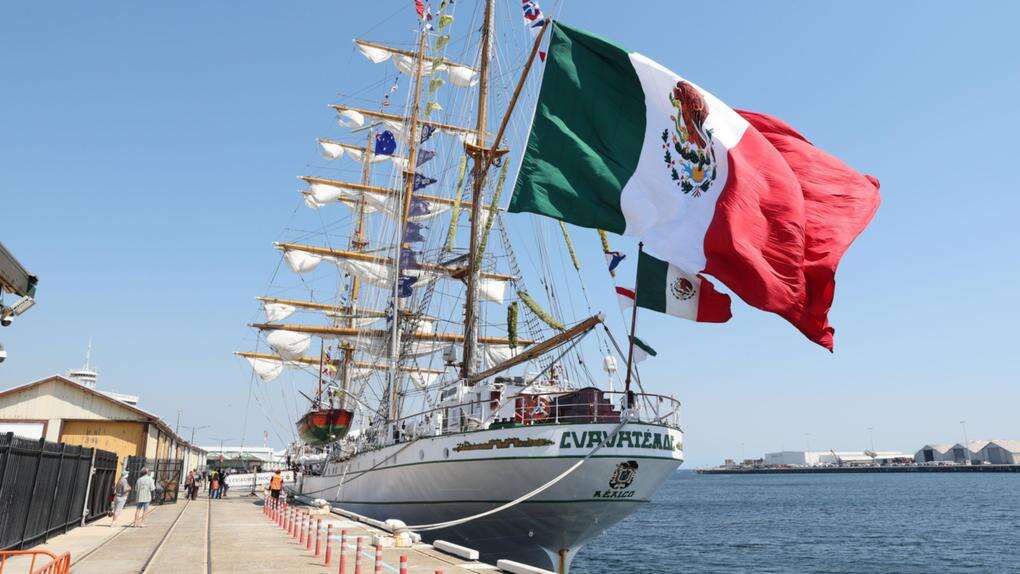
[[1010, 445]]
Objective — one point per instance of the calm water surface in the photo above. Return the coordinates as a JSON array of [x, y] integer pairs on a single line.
[[836, 523]]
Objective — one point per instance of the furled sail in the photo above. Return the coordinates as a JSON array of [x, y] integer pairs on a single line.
[[266, 369], [289, 344], [460, 75], [277, 311]]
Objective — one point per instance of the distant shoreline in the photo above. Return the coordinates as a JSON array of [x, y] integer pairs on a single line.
[[863, 469]]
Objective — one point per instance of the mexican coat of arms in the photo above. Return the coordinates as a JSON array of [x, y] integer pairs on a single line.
[[689, 154]]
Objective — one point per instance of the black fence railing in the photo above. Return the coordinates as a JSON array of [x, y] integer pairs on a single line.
[[166, 472], [104, 475], [43, 488]]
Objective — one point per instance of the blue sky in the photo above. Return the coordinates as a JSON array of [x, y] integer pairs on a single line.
[[148, 154]]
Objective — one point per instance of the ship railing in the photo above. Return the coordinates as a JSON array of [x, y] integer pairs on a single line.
[[546, 408]]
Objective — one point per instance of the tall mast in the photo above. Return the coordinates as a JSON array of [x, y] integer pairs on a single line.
[[358, 243], [479, 167], [409, 176]]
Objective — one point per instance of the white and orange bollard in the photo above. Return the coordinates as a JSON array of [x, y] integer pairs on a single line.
[[357, 558], [318, 529], [378, 558], [329, 543], [308, 536], [302, 528], [403, 564], [342, 569]]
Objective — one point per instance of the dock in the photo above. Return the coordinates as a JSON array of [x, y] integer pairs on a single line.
[[236, 535]]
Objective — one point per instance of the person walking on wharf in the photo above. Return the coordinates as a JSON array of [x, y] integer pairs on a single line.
[[120, 495], [189, 485], [276, 485], [144, 486]]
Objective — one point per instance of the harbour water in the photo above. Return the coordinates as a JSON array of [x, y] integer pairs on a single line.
[[833, 523]]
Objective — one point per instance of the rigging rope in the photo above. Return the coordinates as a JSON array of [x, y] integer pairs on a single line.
[[527, 496]]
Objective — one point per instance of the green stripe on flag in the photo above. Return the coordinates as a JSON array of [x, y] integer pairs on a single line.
[[586, 139], [643, 346], [652, 276]]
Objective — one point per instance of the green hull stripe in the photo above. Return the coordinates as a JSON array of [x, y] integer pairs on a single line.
[[494, 459], [651, 283], [586, 139]]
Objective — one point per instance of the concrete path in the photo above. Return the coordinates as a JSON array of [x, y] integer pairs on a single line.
[[233, 535]]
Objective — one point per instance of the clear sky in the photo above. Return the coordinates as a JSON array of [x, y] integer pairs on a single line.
[[148, 154]]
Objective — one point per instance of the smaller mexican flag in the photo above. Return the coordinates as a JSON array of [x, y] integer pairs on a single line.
[[667, 289], [642, 350]]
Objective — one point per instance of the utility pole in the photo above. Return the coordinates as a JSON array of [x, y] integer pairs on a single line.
[[871, 434], [966, 443]]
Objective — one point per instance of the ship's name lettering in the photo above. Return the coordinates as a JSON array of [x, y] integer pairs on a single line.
[[624, 438]]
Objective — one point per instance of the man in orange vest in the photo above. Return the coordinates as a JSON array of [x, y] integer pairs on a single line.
[[275, 485]]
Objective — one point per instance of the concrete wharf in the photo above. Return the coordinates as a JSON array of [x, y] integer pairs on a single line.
[[235, 535]]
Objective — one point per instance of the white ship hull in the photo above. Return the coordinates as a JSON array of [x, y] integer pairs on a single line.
[[442, 478]]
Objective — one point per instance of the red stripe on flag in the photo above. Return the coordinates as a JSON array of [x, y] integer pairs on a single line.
[[628, 293], [787, 214], [713, 306]]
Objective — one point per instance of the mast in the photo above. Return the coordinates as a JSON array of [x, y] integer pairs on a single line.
[[409, 176], [358, 244], [633, 331], [481, 165]]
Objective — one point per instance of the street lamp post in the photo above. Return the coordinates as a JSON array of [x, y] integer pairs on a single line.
[[966, 443]]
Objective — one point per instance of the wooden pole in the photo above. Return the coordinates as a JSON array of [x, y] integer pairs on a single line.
[[633, 330], [517, 91], [481, 165], [540, 348]]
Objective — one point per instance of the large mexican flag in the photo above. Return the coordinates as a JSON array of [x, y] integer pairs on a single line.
[[623, 144]]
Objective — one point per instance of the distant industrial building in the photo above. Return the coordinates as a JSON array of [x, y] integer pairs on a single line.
[[1000, 452], [60, 409], [245, 458], [933, 453], [830, 457]]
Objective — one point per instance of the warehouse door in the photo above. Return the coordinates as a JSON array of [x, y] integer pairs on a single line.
[[125, 438]]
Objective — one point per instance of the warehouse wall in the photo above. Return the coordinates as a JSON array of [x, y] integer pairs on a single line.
[[57, 401]]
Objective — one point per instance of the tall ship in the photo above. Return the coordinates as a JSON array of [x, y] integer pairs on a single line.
[[445, 356]]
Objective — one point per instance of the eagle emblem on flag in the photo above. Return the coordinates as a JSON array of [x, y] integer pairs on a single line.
[[689, 154], [682, 289]]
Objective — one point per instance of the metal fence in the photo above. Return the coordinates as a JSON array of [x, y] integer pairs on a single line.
[[166, 472], [44, 487]]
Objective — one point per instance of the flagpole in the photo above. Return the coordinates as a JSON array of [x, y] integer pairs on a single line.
[[633, 330]]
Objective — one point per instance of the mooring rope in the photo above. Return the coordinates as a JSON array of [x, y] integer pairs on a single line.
[[525, 497]]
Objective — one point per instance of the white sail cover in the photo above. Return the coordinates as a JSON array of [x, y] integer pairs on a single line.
[[266, 369], [496, 354], [374, 54], [377, 274], [277, 311], [351, 119], [288, 344], [301, 262], [331, 150], [462, 76], [492, 290]]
